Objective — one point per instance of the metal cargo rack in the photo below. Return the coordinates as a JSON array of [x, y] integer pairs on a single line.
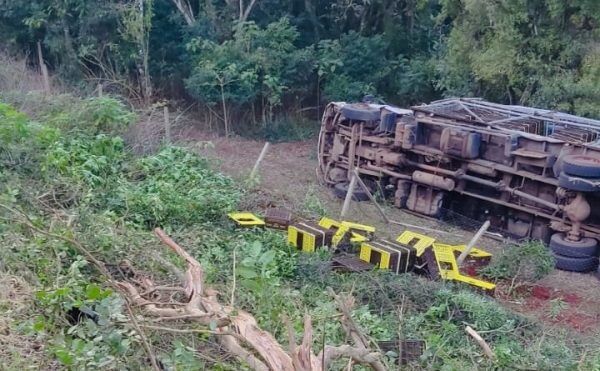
[[562, 126]]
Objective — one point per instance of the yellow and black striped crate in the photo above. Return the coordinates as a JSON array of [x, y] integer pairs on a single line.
[[386, 254], [309, 236]]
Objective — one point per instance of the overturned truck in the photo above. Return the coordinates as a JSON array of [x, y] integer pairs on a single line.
[[533, 173]]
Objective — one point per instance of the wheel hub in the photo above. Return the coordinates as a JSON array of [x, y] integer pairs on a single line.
[[577, 211]]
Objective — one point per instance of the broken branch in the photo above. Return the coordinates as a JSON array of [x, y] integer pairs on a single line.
[[482, 343]]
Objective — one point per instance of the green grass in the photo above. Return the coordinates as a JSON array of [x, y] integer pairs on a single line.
[[86, 185]]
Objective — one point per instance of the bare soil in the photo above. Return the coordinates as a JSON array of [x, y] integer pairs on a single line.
[[563, 300]]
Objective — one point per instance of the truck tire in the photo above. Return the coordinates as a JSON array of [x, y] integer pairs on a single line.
[[360, 112], [578, 184], [566, 263], [583, 248], [582, 165], [341, 189]]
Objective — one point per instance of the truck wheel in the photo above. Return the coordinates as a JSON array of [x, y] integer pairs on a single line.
[[341, 189], [566, 263], [361, 112], [582, 165], [578, 184], [583, 248]]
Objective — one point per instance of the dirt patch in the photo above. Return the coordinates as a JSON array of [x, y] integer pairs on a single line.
[[559, 301], [288, 178]]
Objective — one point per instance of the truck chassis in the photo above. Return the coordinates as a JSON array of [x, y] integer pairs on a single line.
[[531, 172]]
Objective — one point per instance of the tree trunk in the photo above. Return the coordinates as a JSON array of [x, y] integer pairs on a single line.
[[43, 68], [185, 8], [245, 12], [145, 51], [225, 114], [237, 330]]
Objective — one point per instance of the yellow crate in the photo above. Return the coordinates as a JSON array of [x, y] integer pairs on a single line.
[[246, 219], [388, 255], [419, 241], [308, 237], [329, 223], [474, 253], [358, 227], [357, 238], [448, 267], [339, 231], [366, 252], [341, 228]]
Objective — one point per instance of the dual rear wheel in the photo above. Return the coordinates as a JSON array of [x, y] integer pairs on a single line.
[[574, 256]]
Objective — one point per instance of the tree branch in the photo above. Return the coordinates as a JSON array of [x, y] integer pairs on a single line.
[[246, 13], [185, 8]]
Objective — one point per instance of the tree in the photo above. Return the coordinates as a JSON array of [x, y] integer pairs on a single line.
[[520, 51], [135, 25], [253, 69]]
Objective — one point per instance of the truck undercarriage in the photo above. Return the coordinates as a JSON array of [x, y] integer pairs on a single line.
[[531, 172]]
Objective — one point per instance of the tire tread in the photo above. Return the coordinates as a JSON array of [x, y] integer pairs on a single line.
[[571, 264]]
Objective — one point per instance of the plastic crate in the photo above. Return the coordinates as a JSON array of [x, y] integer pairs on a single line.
[[308, 236], [386, 254], [246, 220]]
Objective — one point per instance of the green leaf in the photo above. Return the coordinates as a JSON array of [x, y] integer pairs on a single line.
[[267, 257], [93, 292], [255, 248], [64, 357], [252, 285], [39, 325], [247, 272]]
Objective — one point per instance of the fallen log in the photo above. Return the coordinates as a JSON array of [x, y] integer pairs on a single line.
[[237, 330]]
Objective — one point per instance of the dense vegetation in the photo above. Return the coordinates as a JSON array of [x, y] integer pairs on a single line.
[[260, 63], [68, 178]]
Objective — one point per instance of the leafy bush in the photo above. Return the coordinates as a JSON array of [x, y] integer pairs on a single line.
[[527, 262], [14, 124], [93, 161], [84, 321], [91, 116], [175, 188], [22, 142]]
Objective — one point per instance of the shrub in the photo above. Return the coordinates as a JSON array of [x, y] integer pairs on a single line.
[[90, 161], [85, 323], [174, 188], [22, 142], [105, 115], [91, 116], [526, 262]]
